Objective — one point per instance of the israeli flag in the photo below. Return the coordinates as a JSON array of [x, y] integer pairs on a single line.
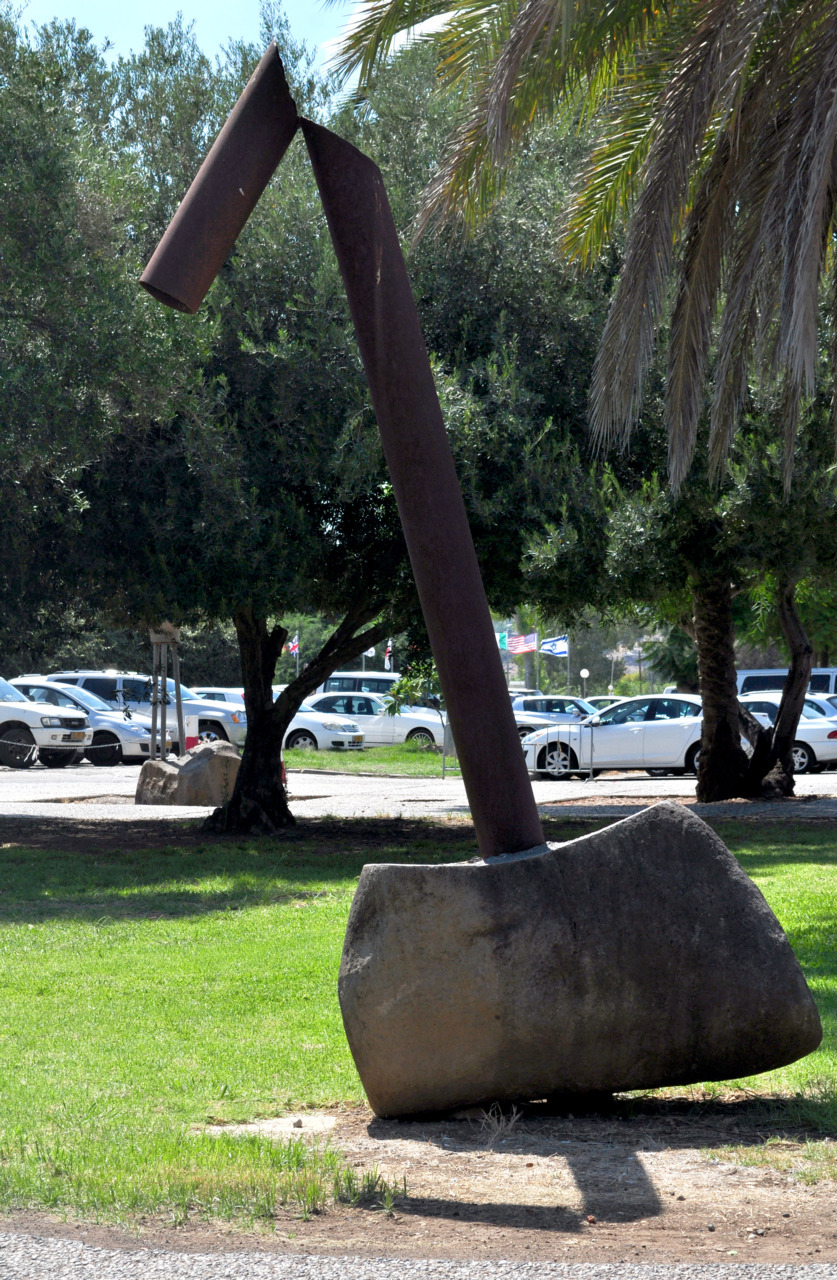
[[558, 646]]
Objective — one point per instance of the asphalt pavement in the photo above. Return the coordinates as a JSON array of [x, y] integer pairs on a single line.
[[88, 792]]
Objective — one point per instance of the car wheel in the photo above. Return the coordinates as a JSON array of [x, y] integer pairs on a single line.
[[423, 737], [57, 759], [658, 773], [212, 731], [692, 758], [17, 748], [105, 749], [557, 760], [803, 758], [302, 740]]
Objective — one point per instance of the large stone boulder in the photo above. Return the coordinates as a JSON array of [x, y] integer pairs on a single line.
[[204, 776], [636, 957]]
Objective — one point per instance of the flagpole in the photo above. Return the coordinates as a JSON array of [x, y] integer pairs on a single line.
[[568, 662], [537, 659]]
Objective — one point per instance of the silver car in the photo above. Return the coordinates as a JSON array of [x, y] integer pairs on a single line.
[[117, 735], [226, 721]]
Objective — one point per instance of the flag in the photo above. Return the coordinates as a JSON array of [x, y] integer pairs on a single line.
[[523, 644], [388, 656], [558, 646], [294, 645], [369, 653], [502, 639]]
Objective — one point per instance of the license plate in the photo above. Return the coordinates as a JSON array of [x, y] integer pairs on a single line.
[[77, 737], [358, 737]]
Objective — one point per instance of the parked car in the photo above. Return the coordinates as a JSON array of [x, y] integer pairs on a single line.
[[218, 694], [658, 733], [760, 679], [528, 723], [816, 734], [115, 737], [411, 724], [316, 730], [359, 682], [561, 709], [132, 689], [602, 700], [31, 731]]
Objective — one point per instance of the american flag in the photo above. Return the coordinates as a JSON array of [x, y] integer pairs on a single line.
[[523, 644]]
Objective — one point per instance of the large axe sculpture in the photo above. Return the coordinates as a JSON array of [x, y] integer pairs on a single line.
[[186, 261]]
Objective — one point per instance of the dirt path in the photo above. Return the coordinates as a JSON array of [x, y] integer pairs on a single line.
[[648, 1188]]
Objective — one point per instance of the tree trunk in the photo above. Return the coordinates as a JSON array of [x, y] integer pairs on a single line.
[[259, 803], [773, 776], [722, 768]]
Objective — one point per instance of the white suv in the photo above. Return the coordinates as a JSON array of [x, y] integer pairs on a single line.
[[31, 731], [132, 689]]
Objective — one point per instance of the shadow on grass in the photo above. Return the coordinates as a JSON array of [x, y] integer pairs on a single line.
[[48, 871]]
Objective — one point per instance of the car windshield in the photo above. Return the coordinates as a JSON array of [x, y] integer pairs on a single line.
[[8, 693], [184, 692], [91, 700]]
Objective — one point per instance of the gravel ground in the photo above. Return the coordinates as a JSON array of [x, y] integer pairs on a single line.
[[36, 1258]]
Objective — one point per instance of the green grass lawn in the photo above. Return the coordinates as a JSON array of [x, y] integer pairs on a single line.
[[407, 760], [145, 993]]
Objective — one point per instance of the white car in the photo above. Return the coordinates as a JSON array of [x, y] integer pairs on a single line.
[[217, 693], [411, 724], [311, 730], [31, 731], [132, 689], [560, 708], [117, 736], [658, 733], [816, 734]]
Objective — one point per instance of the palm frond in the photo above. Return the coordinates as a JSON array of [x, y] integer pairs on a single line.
[[699, 282], [719, 49], [375, 25], [809, 212], [606, 190]]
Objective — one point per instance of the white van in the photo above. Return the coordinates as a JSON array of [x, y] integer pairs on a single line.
[[823, 679], [359, 682]]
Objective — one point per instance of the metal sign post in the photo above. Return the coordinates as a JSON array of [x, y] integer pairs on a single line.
[[165, 638]]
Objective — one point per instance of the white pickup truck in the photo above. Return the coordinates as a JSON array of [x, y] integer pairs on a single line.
[[31, 731]]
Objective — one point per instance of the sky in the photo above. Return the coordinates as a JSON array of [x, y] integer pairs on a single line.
[[216, 21]]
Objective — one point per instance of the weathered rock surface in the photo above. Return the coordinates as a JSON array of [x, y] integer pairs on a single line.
[[639, 956], [204, 776]]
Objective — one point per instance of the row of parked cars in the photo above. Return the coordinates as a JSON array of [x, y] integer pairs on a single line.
[[661, 734], [105, 717]]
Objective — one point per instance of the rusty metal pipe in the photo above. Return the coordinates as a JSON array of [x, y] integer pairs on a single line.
[[225, 191], [427, 490]]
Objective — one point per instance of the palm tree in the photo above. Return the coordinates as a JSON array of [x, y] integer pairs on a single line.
[[719, 145], [720, 130]]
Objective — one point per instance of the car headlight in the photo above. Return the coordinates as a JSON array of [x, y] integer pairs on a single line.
[[238, 717], [51, 722], [335, 726]]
